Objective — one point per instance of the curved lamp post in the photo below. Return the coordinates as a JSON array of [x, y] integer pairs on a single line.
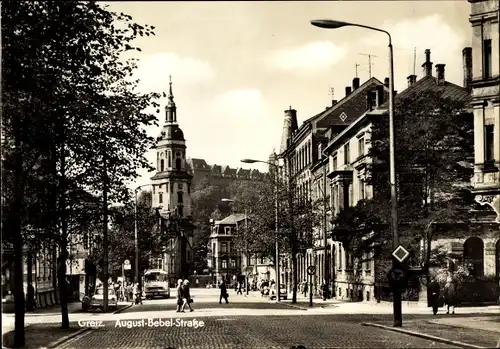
[[246, 244], [252, 161], [331, 24]]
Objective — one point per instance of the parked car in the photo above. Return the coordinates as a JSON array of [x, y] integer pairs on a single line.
[[97, 300], [283, 292]]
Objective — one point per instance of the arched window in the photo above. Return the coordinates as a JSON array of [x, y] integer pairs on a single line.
[[162, 165], [474, 255], [178, 164], [160, 198], [169, 159]]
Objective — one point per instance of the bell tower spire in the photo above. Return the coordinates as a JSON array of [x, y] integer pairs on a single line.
[[171, 109]]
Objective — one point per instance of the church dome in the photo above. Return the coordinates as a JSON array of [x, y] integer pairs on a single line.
[[173, 132]]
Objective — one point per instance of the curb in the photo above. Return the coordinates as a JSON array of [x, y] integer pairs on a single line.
[[78, 333], [423, 335], [64, 339]]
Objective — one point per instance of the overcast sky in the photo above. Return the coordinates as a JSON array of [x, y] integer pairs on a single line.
[[236, 66]]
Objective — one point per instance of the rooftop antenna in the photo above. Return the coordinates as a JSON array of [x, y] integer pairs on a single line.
[[357, 65], [414, 59], [369, 63], [332, 92]]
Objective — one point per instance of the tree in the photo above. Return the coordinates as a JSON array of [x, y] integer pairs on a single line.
[[297, 220], [434, 154], [70, 104]]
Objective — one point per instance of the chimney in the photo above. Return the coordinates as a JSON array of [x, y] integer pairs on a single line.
[[355, 83], [440, 74], [380, 95], [289, 127], [347, 90], [428, 64], [334, 102], [467, 63], [386, 82], [411, 79]]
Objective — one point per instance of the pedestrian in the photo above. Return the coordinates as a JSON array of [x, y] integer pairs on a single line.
[[433, 290], [239, 288], [223, 292], [305, 288], [130, 293], [186, 296], [179, 295], [324, 289], [450, 294]]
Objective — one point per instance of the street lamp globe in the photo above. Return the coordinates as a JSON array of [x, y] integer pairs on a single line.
[[329, 23], [249, 161]]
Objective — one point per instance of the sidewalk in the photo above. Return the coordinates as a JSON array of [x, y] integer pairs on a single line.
[[42, 327], [470, 332]]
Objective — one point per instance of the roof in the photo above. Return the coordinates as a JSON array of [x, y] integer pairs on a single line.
[[232, 219], [198, 164], [243, 172], [429, 84]]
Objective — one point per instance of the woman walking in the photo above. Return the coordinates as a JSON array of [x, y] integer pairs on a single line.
[[186, 296], [450, 294], [223, 292]]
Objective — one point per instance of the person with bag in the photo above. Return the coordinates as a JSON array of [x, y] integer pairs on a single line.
[[223, 292], [179, 295], [433, 290], [186, 296]]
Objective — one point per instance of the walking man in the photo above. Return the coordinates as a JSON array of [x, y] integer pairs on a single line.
[[223, 292], [179, 295]]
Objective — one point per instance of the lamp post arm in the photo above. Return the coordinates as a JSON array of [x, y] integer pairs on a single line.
[[373, 28]]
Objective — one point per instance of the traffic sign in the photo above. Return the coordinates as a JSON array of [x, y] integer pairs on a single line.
[[127, 267], [311, 270], [127, 262], [397, 274], [400, 253]]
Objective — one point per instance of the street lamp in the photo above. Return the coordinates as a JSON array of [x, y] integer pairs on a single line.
[[136, 243], [331, 24], [246, 243], [251, 161]]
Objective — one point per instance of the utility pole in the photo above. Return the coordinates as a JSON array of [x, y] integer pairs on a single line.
[[414, 59], [326, 274], [369, 63]]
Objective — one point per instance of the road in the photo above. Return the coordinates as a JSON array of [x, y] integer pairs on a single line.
[[243, 323]]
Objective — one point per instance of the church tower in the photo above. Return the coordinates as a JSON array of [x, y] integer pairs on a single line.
[[172, 181]]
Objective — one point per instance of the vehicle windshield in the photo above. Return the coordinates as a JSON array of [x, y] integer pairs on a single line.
[[100, 292], [151, 277]]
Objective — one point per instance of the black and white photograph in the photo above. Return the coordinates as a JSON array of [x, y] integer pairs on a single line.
[[250, 174]]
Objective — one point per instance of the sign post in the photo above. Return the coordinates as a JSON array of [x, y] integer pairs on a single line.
[[311, 270]]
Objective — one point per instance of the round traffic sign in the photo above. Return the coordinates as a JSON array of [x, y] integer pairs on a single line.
[[127, 262], [397, 275], [311, 270]]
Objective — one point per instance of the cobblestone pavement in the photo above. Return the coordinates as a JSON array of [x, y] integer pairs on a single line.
[[318, 331]]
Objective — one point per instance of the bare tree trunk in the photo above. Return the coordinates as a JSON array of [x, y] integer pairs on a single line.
[[294, 273], [63, 286], [29, 281]]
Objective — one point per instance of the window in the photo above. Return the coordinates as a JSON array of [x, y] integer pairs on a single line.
[[178, 164], [224, 247], [361, 189], [489, 143], [224, 264], [180, 198], [261, 260], [154, 189], [233, 263], [334, 163], [361, 147], [227, 230], [86, 241], [214, 248], [162, 165], [180, 187], [169, 159], [487, 64], [347, 154], [160, 198], [340, 256]]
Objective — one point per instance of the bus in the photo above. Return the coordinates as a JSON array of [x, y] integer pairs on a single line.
[[156, 284]]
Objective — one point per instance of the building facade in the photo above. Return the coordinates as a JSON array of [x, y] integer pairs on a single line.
[[306, 165], [171, 195], [485, 84]]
